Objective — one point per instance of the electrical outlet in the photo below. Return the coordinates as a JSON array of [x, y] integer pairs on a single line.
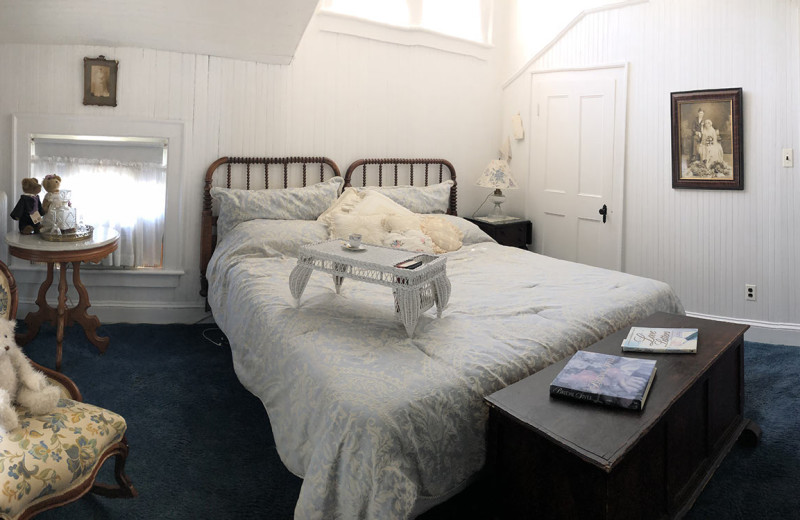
[[750, 292]]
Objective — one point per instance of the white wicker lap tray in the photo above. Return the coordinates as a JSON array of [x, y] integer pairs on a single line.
[[415, 290]]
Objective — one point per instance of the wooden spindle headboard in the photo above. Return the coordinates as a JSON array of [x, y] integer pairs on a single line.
[[415, 172], [254, 173]]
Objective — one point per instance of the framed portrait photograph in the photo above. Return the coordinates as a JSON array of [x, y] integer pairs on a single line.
[[100, 81], [707, 139]]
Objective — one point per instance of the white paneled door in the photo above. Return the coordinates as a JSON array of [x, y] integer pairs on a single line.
[[577, 166]]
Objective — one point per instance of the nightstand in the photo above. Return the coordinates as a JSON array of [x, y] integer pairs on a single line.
[[516, 233]]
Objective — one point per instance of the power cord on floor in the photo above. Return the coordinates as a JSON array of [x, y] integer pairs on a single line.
[[222, 340]]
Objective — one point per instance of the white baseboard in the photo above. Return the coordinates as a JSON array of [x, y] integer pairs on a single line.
[[138, 312], [762, 331]]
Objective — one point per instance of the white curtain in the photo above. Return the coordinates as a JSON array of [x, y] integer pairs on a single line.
[[129, 197]]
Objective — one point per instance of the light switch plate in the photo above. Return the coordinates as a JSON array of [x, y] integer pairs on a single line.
[[788, 158]]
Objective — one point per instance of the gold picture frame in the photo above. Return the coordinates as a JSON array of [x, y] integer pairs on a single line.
[[707, 150], [100, 81]]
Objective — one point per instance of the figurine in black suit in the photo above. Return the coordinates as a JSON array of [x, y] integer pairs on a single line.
[[28, 210]]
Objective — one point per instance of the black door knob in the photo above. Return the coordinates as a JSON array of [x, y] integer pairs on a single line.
[[604, 211]]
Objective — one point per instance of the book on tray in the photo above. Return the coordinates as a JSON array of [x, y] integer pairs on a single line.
[[605, 379], [660, 340]]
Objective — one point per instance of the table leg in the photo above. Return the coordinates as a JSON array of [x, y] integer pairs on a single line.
[[441, 293], [298, 280], [61, 316], [45, 313], [337, 280], [79, 315], [407, 304]]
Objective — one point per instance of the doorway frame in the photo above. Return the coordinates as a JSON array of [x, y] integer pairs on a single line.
[[620, 72]]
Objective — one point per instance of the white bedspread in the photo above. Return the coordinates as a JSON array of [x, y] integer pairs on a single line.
[[373, 420]]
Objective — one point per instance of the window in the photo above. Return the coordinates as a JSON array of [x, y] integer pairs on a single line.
[[459, 18], [119, 182], [468, 20], [392, 12]]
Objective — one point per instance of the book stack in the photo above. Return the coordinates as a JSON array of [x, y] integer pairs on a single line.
[[605, 379], [661, 340]]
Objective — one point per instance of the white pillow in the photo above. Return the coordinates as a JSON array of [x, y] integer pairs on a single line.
[[375, 203], [402, 223], [471, 234], [411, 240], [369, 226], [446, 237], [307, 203], [419, 199], [344, 204]]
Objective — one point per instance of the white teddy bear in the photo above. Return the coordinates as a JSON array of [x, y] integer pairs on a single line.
[[20, 383]]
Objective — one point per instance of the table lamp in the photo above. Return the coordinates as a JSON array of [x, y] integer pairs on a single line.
[[497, 175]]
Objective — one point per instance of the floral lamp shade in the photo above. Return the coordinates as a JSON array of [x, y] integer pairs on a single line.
[[497, 175]]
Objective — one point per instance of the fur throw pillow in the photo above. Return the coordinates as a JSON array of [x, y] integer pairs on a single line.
[[446, 237]]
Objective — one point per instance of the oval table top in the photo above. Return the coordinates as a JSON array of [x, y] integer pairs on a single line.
[[103, 241]]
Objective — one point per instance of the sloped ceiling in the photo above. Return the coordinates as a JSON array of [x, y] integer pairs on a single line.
[[266, 31]]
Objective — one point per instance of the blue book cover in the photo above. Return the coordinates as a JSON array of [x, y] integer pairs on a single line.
[[605, 379], [661, 340]]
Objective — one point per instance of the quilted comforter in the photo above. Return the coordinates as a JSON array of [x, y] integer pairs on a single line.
[[380, 425]]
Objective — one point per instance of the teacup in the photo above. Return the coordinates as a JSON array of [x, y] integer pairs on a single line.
[[354, 241]]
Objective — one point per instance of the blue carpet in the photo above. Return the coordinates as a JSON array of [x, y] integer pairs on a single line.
[[201, 446]]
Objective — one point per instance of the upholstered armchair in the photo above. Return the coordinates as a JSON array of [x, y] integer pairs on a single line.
[[53, 459]]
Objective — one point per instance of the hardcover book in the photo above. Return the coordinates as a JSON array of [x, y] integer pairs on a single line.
[[660, 340], [605, 379]]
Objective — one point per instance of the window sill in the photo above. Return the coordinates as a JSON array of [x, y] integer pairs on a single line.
[[24, 272], [329, 21]]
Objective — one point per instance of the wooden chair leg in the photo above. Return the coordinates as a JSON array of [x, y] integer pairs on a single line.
[[124, 488]]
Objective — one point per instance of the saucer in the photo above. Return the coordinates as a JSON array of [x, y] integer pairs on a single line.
[[348, 247]]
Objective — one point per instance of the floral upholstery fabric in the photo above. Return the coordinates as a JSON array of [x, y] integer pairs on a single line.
[[52, 453], [5, 298]]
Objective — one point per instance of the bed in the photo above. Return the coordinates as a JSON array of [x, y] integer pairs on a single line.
[[380, 425]]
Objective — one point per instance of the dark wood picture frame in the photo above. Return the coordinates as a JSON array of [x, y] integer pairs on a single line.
[[707, 151], [100, 81]]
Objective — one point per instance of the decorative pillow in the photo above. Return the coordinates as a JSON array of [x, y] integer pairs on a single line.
[[411, 240], [471, 234], [419, 199], [446, 237], [279, 204], [369, 226], [375, 203], [402, 223], [344, 204]]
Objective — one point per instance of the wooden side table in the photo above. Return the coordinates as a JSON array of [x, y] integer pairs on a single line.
[[515, 233], [32, 247]]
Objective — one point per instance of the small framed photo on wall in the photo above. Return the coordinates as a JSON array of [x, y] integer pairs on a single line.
[[100, 81], [707, 139]]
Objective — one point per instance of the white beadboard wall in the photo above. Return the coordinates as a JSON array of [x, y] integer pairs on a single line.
[[705, 244], [343, 97]]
